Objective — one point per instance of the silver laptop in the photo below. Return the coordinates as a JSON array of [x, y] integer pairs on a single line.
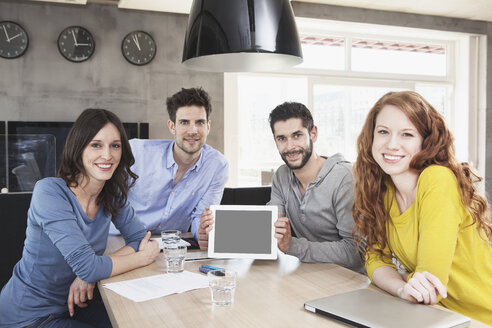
[[369, 308]]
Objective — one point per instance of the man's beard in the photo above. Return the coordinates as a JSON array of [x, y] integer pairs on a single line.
[[306, 155], [189, 149]]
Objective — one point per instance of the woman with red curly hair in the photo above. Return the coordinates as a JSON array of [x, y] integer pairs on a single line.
[[427, 230]]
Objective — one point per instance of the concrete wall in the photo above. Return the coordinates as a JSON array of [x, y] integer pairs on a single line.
[[417, 21], [42, 85]]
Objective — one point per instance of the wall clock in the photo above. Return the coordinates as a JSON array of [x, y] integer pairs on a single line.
[[76, 44], [138, 47], [13, 40]]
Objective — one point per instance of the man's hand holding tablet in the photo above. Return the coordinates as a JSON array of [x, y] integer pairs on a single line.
[[206, 225], [283, 233]]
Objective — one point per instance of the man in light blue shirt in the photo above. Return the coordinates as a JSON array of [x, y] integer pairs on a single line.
[[178, 178]]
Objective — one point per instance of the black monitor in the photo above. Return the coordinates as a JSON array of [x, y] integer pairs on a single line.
[[60, 131], [143, 130], [131, 130], [57, 129]]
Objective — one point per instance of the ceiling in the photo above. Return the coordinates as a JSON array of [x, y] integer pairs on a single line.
[[468, 9]]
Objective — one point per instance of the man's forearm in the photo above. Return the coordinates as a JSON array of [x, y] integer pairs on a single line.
[[342, 252]]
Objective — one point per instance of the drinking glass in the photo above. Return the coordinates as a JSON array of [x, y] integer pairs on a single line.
[[222, 285], [174, 255]]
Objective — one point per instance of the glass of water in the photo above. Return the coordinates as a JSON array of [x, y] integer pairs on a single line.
[[175, 256], [222, 285], [170, 236]]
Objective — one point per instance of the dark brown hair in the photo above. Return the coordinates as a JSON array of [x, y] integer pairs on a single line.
[[437, 148], [114, 193], [188, 97], [289, 110]]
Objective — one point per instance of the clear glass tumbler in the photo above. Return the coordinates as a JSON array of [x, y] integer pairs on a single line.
[[222, 285], [175, 256]]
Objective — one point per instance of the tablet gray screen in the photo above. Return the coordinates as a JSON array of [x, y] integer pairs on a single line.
[[243, 231]]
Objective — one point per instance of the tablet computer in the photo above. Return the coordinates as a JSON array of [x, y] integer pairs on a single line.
[[243, 231]]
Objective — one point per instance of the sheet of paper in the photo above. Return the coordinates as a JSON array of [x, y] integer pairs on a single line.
[[144, 289]]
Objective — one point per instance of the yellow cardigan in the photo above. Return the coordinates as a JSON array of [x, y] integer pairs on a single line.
[[435, 235]]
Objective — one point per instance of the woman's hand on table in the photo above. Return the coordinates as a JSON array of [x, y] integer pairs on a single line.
[[149, 249], [423, 287]]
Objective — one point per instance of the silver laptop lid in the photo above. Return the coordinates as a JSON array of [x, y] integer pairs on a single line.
[[369, 308]]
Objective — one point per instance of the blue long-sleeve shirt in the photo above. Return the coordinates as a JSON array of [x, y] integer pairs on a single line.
[[62, 242], [161, 205]]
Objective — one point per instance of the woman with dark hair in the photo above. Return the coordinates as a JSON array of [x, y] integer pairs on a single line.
[[67, 231], [428, 231]]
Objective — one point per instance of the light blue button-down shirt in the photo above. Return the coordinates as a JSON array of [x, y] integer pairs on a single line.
[[160, 204]]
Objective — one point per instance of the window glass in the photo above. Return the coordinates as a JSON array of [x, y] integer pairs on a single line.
[[323, 52], [437, 96], [258, 96], [398, 57], [339, 112]]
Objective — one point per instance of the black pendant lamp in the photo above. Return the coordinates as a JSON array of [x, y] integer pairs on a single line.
[[241, 36]]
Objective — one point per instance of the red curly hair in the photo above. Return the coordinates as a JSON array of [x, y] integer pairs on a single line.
[[437, 148]]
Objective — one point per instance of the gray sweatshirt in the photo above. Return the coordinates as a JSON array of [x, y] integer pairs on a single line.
[[321, 219]]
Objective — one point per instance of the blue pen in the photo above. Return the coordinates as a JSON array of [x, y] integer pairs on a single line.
[[206, 268], [212, 267]]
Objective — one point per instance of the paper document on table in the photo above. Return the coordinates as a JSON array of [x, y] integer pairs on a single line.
[[144, 289]]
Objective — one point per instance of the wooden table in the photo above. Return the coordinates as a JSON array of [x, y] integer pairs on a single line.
[[268, 294]]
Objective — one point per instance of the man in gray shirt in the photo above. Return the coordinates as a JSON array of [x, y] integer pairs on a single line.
[[314, 194]]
